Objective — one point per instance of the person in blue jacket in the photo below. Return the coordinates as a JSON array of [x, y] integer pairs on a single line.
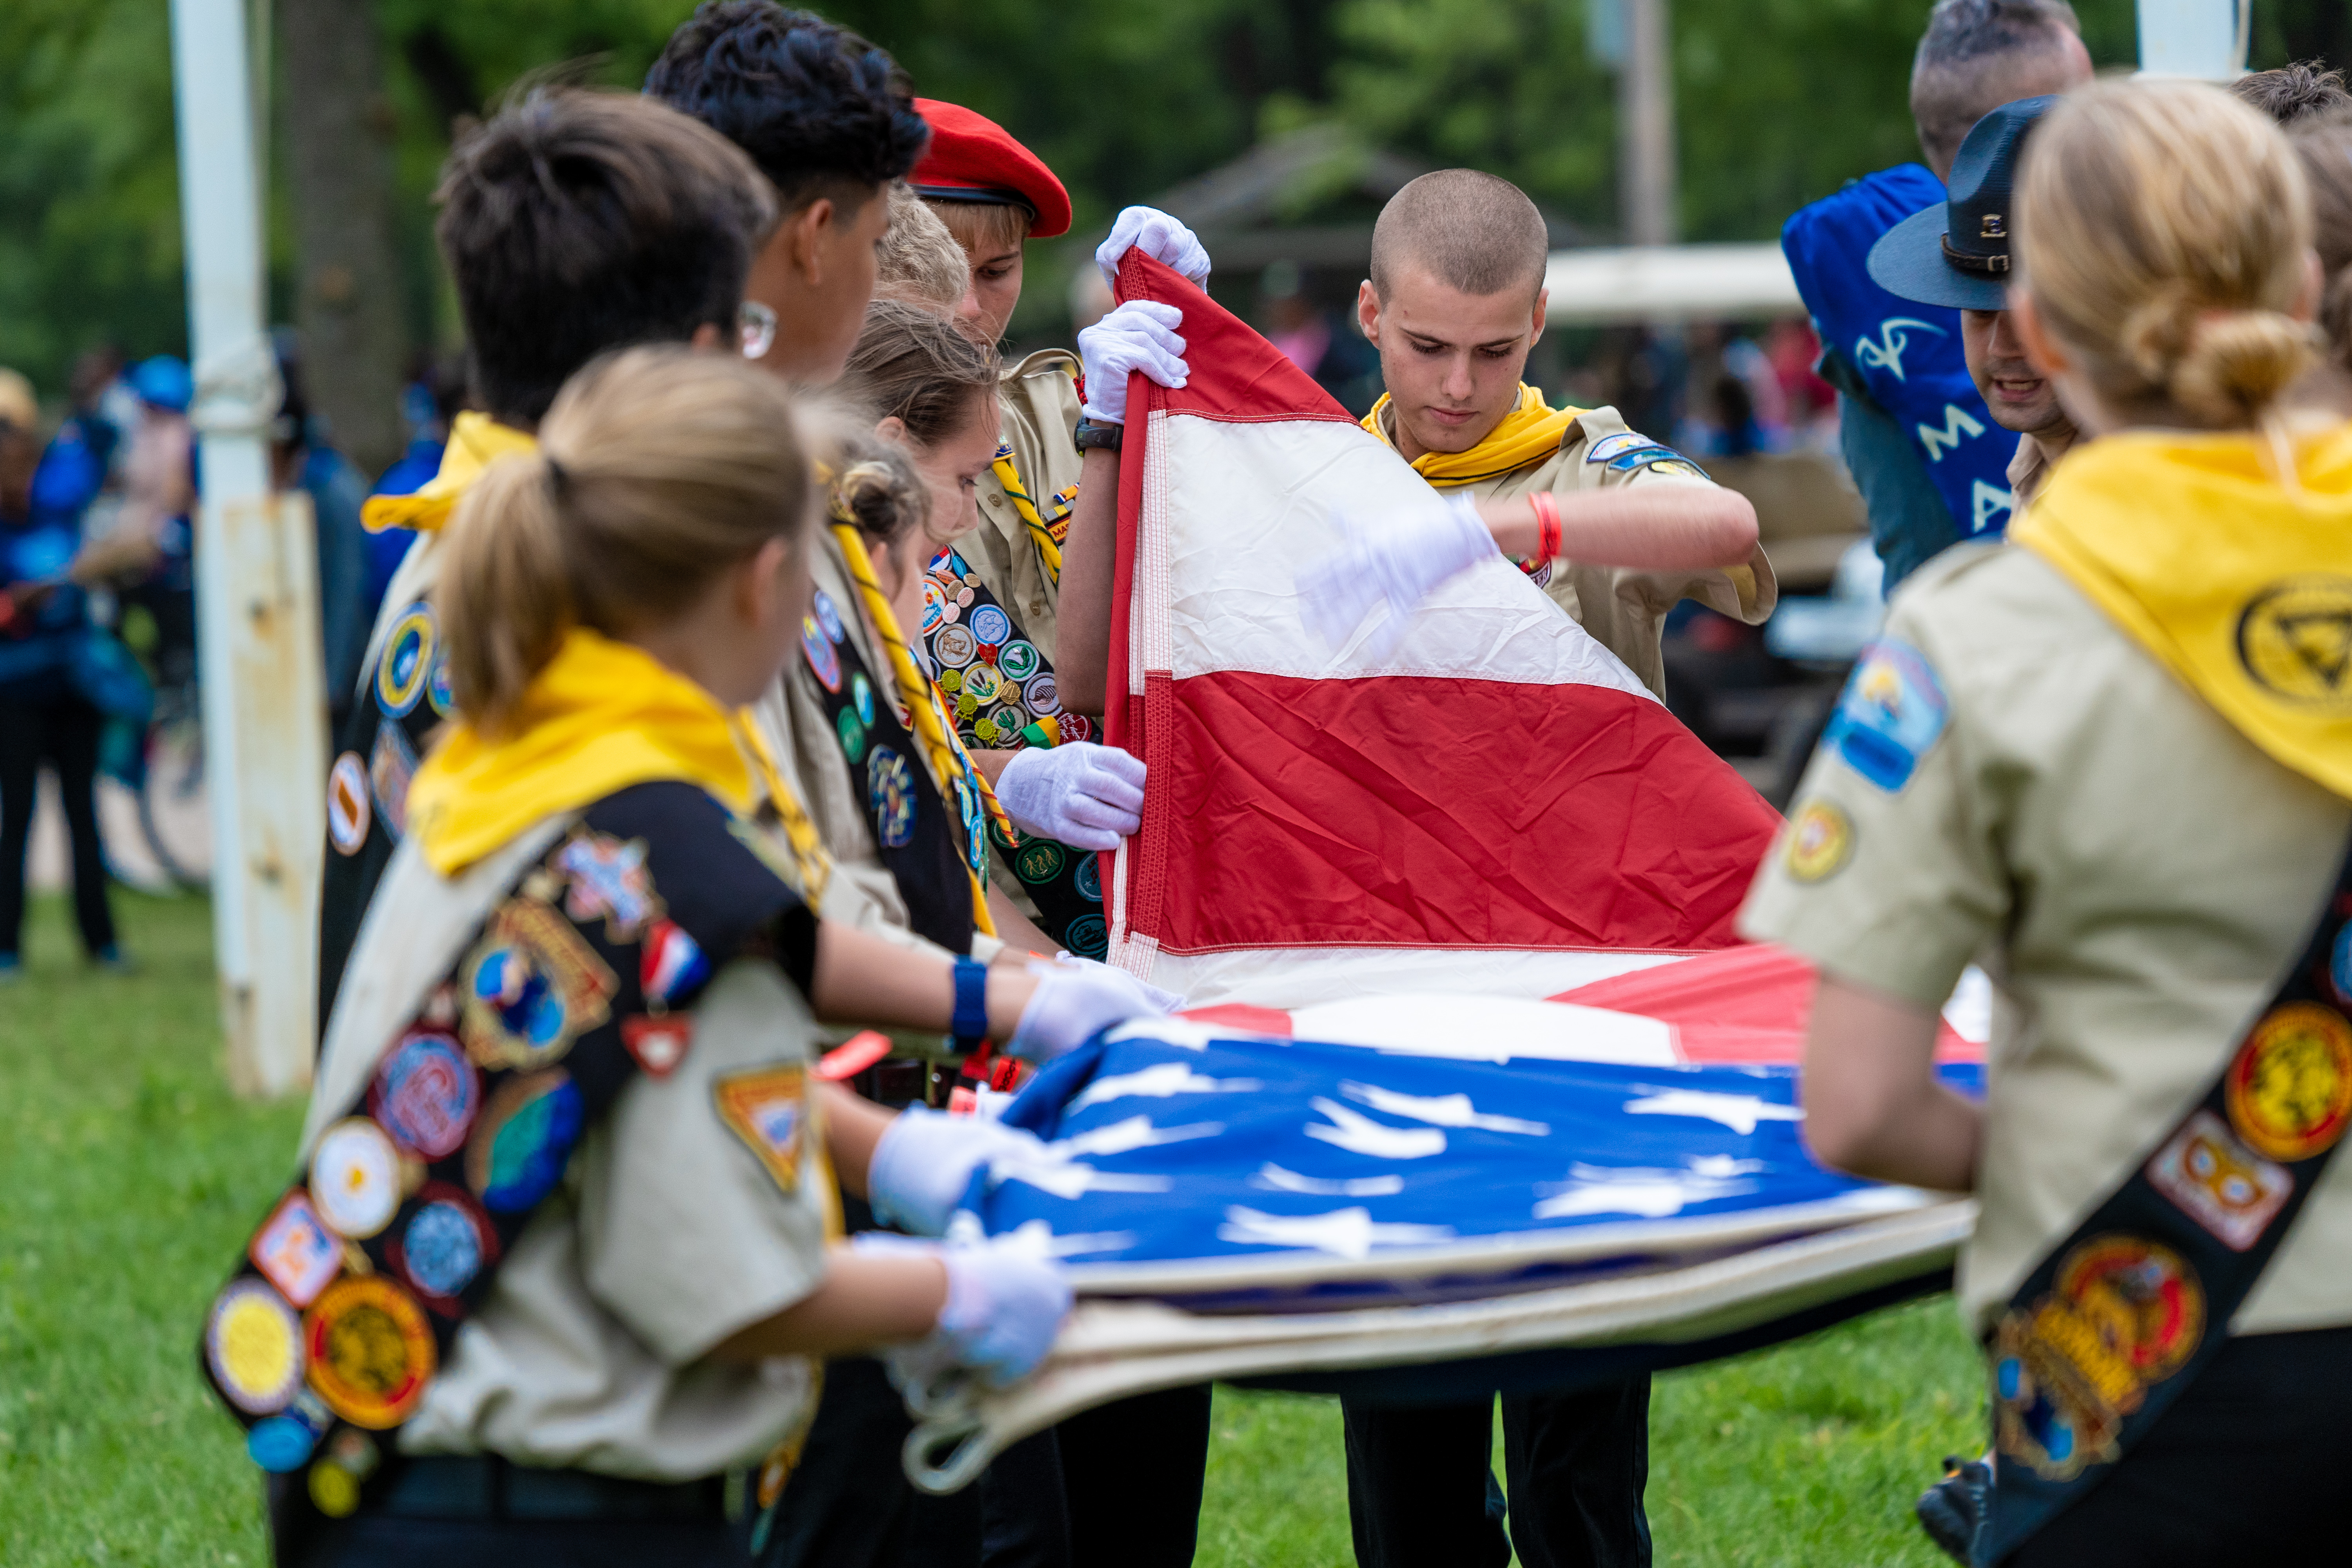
[[1930, 459]]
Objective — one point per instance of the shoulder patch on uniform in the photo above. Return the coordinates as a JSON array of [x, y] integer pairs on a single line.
[[767, 1107], [1891, 712], [1609, 446], [1682, 467], [1820, 843]]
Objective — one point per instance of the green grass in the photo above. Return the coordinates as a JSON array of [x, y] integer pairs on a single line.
[[129, 1178]]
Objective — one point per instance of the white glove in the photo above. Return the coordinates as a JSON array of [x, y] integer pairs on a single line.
[[1137, 335], [1397, 560], [925, 1160], [1071, 1003], [1158, 235], [1167, 1001], [1083, 795], [1005, 1306]]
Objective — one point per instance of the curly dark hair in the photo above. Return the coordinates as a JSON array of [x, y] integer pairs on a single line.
[[820, 111]]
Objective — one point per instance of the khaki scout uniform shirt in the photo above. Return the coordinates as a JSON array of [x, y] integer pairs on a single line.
[[2137, 875], [1625, 609], [1039, 400], [665, 1236], [791, 719]]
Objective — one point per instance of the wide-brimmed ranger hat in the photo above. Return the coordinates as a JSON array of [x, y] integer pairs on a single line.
[[1956, 255]]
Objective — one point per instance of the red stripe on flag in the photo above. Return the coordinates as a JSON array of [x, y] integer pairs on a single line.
[[1366, 813]]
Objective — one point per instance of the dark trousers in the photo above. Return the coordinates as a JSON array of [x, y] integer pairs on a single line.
[[1132, 1474], [2246, 1466], [850, 1504], [64, 734], [1421, 1494], [376, 1541]]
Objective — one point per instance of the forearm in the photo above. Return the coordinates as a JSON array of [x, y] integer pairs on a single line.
[[1653, 527], [853, 1127], [861, 978], [1873, 1105], [1082, 616], [867, 1301]]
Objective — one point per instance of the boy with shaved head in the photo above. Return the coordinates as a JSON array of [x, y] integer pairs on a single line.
[[1617, 527]]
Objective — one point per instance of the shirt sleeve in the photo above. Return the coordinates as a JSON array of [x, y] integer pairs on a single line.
[[1888, 872], [706, 1201], [1608, 455]]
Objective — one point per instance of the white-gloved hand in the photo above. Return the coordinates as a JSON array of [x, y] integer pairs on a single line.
[[1158, 235], [1005, 1306], [924, 1162], [1086, 796], [1071, 1003], [1137, 335], [1397, 558], [1168, 1001]]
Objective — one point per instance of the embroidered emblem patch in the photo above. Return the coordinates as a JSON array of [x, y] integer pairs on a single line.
[[992, 626], [1018, 659], [766, 1109], [348, 812], [890, 794], [371, 1351], [444, 1245], [524, 1140], [2289, 1090], [1641, 456], [427, 1094], [253, 1343], [437, 689], [295, 1250], [823, 661], [1820, 841], [658, 1044], [2218, 1182], [829, 618], [1045, 698], [390, 764], [609, 881], [1681, 468], [853, 736], [980, 685], [955, 646], [335, 1479], [1088, 937], [282, 1443], [935, 605], [1039, 860], [2339, 967], [355, 1178], [407, 662], [2294, 641], [1087, 878], [531, 986], [670, 964], [1891, 711], [1609, 447], [861, 697]]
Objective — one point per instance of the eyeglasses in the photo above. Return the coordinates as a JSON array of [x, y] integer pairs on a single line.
[[755, 326]]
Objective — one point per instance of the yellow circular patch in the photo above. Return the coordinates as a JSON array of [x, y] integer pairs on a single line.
[[2290, 1088], [2295, 639], [1821, 842], [334, 1488], [370, 1351], [254, 1345]]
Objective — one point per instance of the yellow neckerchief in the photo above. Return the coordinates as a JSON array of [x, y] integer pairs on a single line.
[[476, 441], [600, 716], [1529, 433], [1015, 491], [2238, 584], [925, 714]]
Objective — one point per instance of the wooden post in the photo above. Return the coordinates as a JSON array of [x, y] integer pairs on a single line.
[[1647, 197]]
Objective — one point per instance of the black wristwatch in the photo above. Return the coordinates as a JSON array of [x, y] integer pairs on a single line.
[[1106, 437]]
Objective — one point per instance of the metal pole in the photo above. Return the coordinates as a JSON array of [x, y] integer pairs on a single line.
[[2204, 39], [258, 638], [1645, 127]]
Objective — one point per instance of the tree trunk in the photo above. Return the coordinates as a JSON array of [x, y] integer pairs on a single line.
[[339, 130]]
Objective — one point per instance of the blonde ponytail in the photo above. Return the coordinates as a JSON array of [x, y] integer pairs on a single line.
[[2163, 227], [657, 470]]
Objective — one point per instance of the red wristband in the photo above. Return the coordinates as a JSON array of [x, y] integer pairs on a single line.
[[1546, 508]]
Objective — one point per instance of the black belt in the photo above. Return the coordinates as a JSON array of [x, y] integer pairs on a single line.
[[487, 1487], [901, 1082]]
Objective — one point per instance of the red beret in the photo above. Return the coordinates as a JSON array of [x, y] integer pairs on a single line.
[[972, 158]]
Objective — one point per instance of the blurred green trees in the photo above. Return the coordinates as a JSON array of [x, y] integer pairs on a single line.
[[1776, 102]]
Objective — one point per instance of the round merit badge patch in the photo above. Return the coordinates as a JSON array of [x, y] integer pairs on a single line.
[[852, 735], [408, 663], [253, 1343], [2340, 965], [829, 618], [355, 1177], [348, 812], [444, 1245], [1039, 860], [1044, 697], [890, 794], [1087, 936], [437, 689], [371, 1351], [955, 646], [1019, 660], [523, 1140], [861, 697], [2289, 1090], [992, 626], [1821, 842], [1087, 878], [427, 1094], [980, 685], [935, 604], [823, 661], [2294, 641]]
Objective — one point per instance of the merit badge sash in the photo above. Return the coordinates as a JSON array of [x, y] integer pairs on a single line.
[[885, 771], [1001, 688], [351, 1293], [2121, 1317]]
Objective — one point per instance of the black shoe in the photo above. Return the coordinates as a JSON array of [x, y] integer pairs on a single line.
[[1953, 1511]]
